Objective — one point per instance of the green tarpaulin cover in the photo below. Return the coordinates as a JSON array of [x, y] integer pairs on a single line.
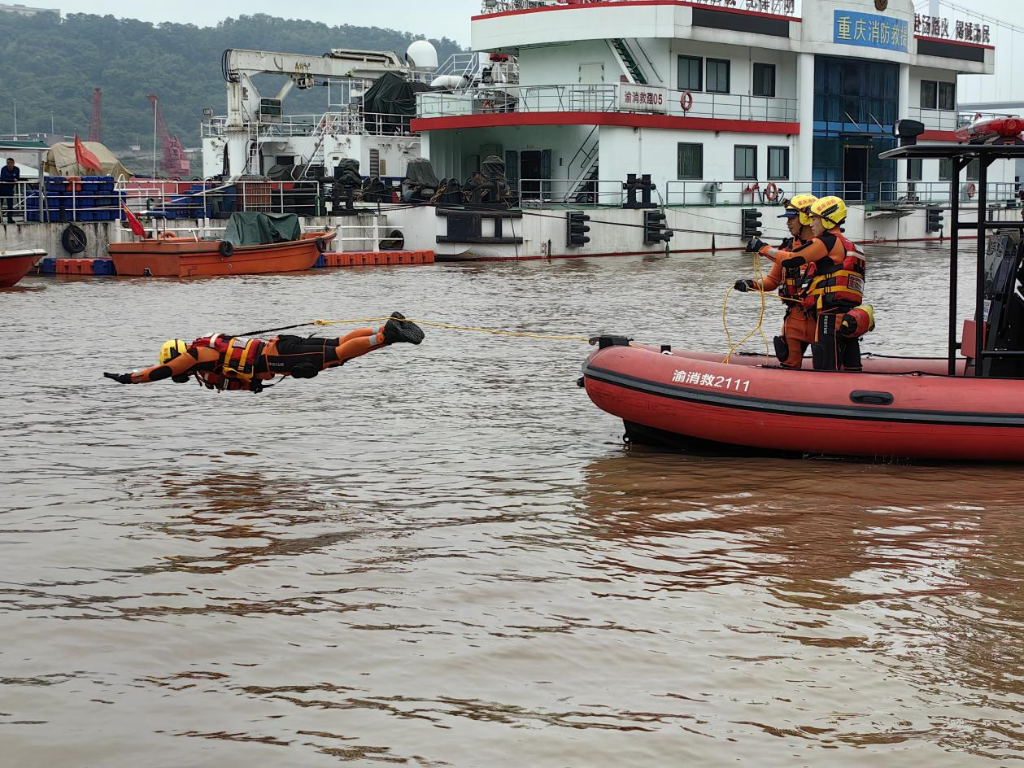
[[390, 103], [250, 228]]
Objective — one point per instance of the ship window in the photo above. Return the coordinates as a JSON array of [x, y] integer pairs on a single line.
[[974, 170], [691, 161], [915, 169], [929, 94], [945, 169], [718, 76], [690, 73], [778, 163], [764, 79], [745, 162], [947, 95]]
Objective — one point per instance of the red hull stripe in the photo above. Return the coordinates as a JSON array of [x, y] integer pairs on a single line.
[[631, 4], [807, 410], [623, 119]]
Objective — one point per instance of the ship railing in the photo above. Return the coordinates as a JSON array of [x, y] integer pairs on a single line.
[[172, 200], [569, 192], [20, 193], [504, 6], [461, 64], [759, 192], [351, 123], [620, 98], [923, 193]]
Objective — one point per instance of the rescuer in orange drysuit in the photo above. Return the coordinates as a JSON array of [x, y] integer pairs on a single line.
[[799, 324], [224, 363], [836, 268]]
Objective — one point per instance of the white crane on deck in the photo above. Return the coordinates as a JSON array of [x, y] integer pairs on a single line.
[[248, 110]]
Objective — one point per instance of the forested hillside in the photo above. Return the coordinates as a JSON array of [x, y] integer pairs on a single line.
[[50, 65]]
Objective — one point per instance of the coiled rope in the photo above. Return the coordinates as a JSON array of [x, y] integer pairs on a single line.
[[759, 328]]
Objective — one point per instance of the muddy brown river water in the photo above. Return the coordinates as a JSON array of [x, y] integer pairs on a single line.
[[443, 555]]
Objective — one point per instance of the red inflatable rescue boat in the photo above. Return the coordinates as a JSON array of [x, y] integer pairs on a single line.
[[897, 408], [967, 407]]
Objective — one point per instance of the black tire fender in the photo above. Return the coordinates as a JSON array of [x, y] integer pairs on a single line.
[[74, 239], [321, 245], [226, 248]]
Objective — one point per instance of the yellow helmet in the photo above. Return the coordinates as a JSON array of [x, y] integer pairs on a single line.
[[831, 211], [171, 349], [802, 204]]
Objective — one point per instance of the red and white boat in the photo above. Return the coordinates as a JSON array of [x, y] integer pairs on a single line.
[[14, 265]]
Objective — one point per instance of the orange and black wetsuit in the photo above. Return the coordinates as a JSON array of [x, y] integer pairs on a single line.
[[798, 326], [219, 363], [836, 270]]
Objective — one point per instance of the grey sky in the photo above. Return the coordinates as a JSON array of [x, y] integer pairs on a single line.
[[445, 19]]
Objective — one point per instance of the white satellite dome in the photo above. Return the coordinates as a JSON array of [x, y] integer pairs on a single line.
[[422, 55]]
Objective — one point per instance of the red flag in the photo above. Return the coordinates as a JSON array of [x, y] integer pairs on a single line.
[[85, 158], [133, 221]]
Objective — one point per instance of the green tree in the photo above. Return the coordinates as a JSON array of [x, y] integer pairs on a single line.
[[52, 65]]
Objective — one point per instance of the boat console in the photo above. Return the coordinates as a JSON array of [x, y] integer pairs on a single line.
[[998, 324]]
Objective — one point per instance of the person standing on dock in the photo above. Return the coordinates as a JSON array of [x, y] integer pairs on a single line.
[[10, 175]]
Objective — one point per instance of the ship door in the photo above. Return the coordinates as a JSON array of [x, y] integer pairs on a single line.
[[535, 174], [855, 172], [530, 162], [592, 74]]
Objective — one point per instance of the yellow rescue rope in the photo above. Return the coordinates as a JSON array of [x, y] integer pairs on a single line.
[[468, 328], [759, 328]]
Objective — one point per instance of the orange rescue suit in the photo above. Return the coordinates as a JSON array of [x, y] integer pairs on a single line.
[[799, 325], [837, 270]]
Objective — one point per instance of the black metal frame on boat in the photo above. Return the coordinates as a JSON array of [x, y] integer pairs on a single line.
[[962, 155]]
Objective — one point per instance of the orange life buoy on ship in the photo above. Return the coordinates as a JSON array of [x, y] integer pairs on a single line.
[[972, 189], [686, 101], [771, 192], [168, 236]]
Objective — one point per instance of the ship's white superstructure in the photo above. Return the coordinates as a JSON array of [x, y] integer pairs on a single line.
[[258, 134], [726, 105]]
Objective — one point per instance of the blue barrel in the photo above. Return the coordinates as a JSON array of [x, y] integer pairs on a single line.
[[103, 267]]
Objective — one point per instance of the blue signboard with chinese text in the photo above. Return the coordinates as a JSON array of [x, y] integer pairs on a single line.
[[870, 31]]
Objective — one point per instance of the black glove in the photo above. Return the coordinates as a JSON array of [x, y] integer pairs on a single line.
[[787, 244], [120, 378], [755, 244], [793, 263], [744, 285]]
